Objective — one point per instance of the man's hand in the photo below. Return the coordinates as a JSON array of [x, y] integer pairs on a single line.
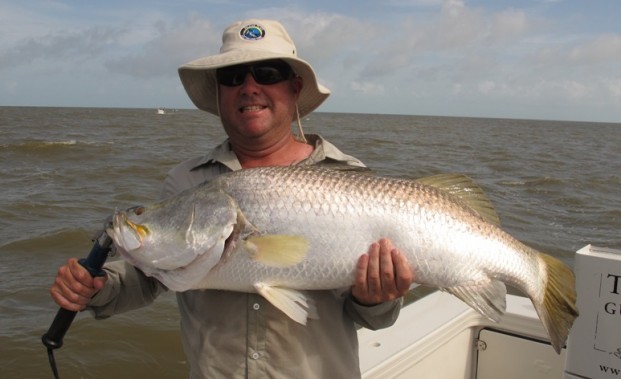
[[74, 286], [383, 274]]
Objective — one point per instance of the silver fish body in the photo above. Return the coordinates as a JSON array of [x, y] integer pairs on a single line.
[[279, 230]]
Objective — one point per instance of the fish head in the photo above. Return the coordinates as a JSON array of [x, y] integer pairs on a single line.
[[185, 235]]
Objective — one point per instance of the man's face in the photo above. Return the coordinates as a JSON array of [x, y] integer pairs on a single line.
[[253, 110]]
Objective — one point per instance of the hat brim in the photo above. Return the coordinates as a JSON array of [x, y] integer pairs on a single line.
[[199, 79]]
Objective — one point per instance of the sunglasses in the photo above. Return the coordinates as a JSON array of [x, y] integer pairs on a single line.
[[269, 72]]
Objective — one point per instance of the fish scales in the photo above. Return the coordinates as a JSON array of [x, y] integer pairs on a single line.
[[422, 221], [305, 227]]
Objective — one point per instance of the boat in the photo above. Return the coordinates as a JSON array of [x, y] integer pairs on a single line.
[[440, 337]]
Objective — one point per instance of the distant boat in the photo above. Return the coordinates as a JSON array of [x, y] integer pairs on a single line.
[[161, 111]]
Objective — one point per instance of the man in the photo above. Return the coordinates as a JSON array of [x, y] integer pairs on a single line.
[[258, 86]]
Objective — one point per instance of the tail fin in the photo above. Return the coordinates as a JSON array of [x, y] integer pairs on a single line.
[[557, 308]]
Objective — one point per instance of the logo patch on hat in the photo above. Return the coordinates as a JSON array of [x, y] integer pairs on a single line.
[[252, 32]]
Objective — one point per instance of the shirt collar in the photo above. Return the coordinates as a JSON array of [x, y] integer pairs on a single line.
[[323, 150], [222, 154]]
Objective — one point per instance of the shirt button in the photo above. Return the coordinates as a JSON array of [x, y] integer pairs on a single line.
[[256, 306], [255, 355]]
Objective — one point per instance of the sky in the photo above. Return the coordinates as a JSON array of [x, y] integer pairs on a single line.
[[526, 59]]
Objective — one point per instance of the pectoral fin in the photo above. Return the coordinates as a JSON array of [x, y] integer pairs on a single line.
[[277, 250], [294, 304]]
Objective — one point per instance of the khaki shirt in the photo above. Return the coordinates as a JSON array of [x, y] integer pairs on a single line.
[[241, 335]]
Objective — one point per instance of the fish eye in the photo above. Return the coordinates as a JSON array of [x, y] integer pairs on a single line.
[[138, 210]]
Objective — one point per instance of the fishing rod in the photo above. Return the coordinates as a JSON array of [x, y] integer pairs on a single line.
[[93, 263]]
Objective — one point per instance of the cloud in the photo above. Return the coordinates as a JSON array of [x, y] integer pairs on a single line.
[[321, 37], [415, 3], [433, 51], [614, 87], [57, 47], [18, 21], [579, 50], [367, 88], [509, 25], [170, 46], [602, 48], [451, 39], [486, 56], [139, 50]]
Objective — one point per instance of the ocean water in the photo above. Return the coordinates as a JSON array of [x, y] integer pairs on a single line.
[[556, 186]]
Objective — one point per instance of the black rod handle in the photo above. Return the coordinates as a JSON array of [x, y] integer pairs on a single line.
[[94, 262]]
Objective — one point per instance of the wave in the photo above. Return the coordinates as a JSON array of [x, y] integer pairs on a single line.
[[52, 143], [38, 144], [48, 147], [74, 239]]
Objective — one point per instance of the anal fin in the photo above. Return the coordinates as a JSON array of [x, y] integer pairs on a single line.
[[488, 297], [293, 303]]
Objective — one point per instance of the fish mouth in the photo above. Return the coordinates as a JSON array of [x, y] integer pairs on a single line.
[[126, 233]]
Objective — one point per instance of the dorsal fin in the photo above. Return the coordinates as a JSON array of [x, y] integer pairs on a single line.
[[465, 189]]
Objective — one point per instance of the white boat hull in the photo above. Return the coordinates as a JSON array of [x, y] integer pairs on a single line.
[[440, 337]]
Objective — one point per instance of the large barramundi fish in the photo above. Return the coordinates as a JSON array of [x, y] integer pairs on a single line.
[[280, 230]]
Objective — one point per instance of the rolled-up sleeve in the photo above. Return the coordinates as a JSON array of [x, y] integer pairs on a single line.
[[373, 317], [127, 288]]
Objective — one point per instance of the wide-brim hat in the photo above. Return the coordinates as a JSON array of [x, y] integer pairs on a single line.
[[250, 41]]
